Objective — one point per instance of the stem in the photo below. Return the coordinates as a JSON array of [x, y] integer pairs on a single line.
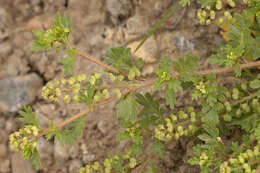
[[245, 99], [101, 64], [226, 70]]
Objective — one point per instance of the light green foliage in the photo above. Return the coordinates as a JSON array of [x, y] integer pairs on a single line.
[[127, 109], [121, 58], [70, 135], [69, 61], [29, 116]]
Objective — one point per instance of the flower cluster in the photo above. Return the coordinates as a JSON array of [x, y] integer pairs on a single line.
[[25, 140], [53, 91], [243, 161], [172, 128], [201, 87], [206, 15], [109, 164]]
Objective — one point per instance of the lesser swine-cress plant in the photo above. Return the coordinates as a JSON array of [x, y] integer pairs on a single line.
[[219, 109]]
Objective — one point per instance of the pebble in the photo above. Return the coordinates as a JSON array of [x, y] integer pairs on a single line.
[[19, 165], [74, 166], [60, 153], [18, 91], [3, 150], [5, 166]]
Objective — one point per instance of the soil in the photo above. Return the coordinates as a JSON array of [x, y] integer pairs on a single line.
[[96, 27]]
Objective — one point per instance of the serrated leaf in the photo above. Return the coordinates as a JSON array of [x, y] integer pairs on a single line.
[[194, 161], [36, 159], [120, 58], [122, 136], [158, 148], [211, 118], [151, 106], [28, 116], [127, 109], [175, 85], [69, 61], [255, 84], [170, 97], [70, 136]]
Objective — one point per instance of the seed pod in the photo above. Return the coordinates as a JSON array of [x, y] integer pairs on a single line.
[[244, 86], [228, 106], [235, 93], [227, 117], [245, 107]]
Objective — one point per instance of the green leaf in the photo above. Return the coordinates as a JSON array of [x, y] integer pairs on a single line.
[[194, 161], [211, 118], [158, 148], [255, 84], [69, 61], [151, 106], [184, 2], [127, 109], [120, 58], [28, 116], [175, 84], [170, 96], [122, 136], [36, 159], [70, 136]]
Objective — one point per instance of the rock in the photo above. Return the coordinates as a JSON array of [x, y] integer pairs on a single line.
[[16, 64], [3, 151], [88, 158], [5, 21], [118, 9], [147, 70], [19, 165], [60, 153], [5, 166], [74, 151], [137, 24], [5, 49], [2, 122], [183, 44], [18, 91], [10, 125], [74, 166], [104, 127], [148, 50]]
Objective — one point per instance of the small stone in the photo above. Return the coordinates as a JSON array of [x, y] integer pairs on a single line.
[[5, 166], [147, 51], [10, 125], [3, 150], [183, 44], [2, 122], [137, 24], [60, 153], [104, 127], [19, 165], [45, 148], [5, 49], [74, 151], [147, 70], [118, 9], [18, 91], [74, 165], [88, 158]]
